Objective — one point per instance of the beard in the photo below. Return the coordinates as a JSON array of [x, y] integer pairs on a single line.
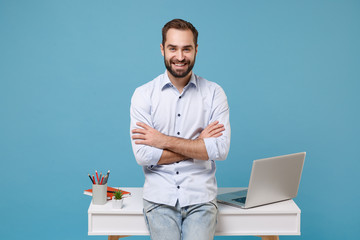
[[177, 73]]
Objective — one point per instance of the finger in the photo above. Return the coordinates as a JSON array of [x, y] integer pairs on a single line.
[[217, 126], [142, 142], [138, 130], [138, 136], [212, 124], [217, 135], [217, 129], [143, 125]]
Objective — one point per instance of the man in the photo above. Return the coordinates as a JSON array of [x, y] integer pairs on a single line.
[[179, 127]]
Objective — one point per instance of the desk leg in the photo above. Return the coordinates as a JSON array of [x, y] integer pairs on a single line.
[[116, 237], [269, 237]]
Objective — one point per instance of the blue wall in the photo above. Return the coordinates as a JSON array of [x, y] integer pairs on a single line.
[[68, 69]]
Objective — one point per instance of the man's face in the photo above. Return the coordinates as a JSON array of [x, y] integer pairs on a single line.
[[179, 52]]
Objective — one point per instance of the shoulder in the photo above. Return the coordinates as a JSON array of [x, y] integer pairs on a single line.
[[206, 85], [213, 92], [147, 89]]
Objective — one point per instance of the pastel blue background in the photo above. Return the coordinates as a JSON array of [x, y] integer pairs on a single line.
[[68, 69]]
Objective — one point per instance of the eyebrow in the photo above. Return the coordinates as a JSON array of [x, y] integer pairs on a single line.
[[186, 46]]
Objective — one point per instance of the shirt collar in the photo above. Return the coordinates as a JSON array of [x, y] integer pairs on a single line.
[[165, 82]]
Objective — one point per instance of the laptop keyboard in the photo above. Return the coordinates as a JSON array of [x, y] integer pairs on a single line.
[[240, 200]]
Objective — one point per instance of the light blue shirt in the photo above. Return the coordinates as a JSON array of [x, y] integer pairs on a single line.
[[160, 105]]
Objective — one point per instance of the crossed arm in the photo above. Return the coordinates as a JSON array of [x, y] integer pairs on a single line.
[[176, 149]]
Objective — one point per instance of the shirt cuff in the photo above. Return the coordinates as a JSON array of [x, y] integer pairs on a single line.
[[156, 155], [211, 148]]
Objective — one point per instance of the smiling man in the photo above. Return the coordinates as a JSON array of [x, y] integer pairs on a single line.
[[179, 128]]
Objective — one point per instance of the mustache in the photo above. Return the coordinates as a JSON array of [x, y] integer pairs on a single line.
[[183, 61]]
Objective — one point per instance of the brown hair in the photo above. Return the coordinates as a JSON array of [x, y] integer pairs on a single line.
[[180, 25]]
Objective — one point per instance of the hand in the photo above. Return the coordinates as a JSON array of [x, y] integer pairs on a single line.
[[214, 129], [147, 135]]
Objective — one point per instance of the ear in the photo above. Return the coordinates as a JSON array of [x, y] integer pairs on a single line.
[[196, 49], [162, 49]]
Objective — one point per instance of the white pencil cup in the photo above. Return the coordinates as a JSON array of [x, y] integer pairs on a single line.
[[99, 194]]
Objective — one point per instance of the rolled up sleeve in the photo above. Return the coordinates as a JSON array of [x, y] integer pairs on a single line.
[[140, 112], [218, 148]]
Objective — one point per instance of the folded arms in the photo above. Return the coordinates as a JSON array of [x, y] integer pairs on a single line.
[[176, 149]]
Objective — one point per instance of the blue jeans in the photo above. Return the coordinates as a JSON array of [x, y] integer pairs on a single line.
[[194, 222]]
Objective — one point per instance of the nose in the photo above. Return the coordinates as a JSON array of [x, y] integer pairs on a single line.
[[180, 55]]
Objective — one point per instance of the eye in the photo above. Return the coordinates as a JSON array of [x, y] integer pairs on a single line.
[[187, 50], [172, 49]]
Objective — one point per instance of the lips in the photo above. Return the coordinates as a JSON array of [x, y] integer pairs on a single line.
[[180, 65]]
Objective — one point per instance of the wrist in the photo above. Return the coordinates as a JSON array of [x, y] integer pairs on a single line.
[[166, 142]]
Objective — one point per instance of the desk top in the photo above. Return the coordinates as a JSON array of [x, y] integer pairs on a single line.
[[134, 205]]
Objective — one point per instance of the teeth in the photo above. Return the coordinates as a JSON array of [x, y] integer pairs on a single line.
[[179, 65]]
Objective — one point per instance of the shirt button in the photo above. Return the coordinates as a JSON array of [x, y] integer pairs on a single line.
[[178, 187], [177, 172], [178, 133], [179, 115], [180, 97]]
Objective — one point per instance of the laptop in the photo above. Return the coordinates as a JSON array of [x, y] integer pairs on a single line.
[[272, 180]]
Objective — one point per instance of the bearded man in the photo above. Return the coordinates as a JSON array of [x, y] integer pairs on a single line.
[[179, 128]]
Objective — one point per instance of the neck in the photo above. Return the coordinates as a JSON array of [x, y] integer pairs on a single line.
[[179, 83]]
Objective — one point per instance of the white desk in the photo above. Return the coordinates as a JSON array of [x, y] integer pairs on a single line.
[[268, 221]]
